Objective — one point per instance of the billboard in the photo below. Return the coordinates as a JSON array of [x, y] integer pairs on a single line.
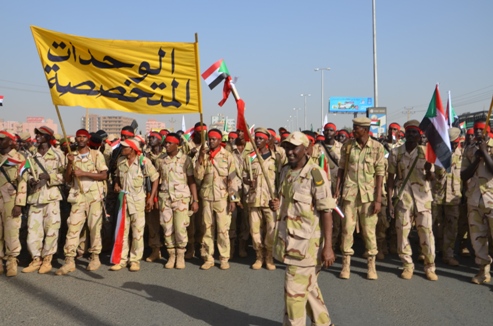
[[378, 118], [350, 104]]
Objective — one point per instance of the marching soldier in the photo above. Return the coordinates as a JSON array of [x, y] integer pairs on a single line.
[[216, 171], [409, 177], [45, 177], [12, 199], [360, 173], [303, 233]]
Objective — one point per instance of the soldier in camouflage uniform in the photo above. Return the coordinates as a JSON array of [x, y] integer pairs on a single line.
[[414, 201], [86, 172], [447, 198], [155, 153], [262, 219], [132, 170], [177, 189], [361, 173], [303, 233], [12, 199], [477, 171], [45, 176], [216, 171]]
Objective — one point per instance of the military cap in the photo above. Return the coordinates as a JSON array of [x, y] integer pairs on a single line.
[[132, 143], [44, 130], [411, 123], [297, 138], [263, 131], [25, 136], [362, 121], [8, 134], [102, 134], [454, 133]]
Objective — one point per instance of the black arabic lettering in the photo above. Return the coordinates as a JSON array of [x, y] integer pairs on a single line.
[[113, 63], [146, 70], [164, 103], [79, 89]]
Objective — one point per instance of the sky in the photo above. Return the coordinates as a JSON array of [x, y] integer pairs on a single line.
[[273, 48]]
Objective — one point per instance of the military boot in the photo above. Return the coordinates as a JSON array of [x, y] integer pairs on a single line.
[[180, 258], [372, 270], [381, 251], [483, 276], [269, 261], [46, 266], [190, 251], [33, 266], [172, 259], [208, 264], [243, 248], [346, 267], [11, 266], [68, 267], [431, 275], [94, 264], [134, 266], [224, 264], [407, 273], [155, 255], [259, 261]]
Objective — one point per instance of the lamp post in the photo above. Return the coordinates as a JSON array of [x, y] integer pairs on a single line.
[[305, 95], [297, 123], [322, 103]]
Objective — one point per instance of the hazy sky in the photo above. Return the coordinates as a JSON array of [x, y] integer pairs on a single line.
[[273, 47]]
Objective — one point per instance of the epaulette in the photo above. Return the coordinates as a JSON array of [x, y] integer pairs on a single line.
[[317, 177]]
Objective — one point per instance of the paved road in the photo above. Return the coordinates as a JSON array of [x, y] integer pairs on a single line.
[[240, 296]]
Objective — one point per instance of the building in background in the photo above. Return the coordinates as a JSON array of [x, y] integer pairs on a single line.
[[110, 124], [154, 124], [29, 125], [223, 123]]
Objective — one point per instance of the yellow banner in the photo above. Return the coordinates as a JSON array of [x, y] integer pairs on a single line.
[[131, 76]]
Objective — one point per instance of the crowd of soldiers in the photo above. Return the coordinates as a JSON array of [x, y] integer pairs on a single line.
[[298, 196]]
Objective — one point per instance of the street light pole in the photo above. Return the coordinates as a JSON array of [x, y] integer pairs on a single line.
[[305, 95], [297, 121], [375, 78], [322, 91]]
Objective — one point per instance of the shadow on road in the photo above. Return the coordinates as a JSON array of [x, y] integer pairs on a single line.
[[198, 308]]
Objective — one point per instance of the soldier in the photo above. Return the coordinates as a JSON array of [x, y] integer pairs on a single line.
[[342, 136], [262, 219], [45, 177], [360, 174], [12, 199], [477, 171], [409, 177], [132, 170], [105, 147], [216, 171], [156, 152], [447, 198], [177, 186], [303, 233], [85, 172]]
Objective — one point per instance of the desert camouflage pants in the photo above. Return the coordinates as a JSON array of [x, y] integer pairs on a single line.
[[480, 228], [216, 218], [10, 244], [447, 219], [174, 219], [302, 296], [92, 212], [262, 225], [136, 222], [403, 224], [152, 223], [362, 212], [43, 224]]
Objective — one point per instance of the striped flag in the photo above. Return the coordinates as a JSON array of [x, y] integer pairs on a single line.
[[252, 156], [11, 162], [24, 166], [435, 127], [450, 113], [1, 100], [323, 163], [116, 253], [216, 74], [116, 144], [188, 133]]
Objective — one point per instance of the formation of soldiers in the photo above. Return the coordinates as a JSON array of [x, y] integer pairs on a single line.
[[221, 190]]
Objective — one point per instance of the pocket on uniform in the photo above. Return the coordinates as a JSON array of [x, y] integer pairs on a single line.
[[138, 182], [73, 197], [181, 191], [297, 243]]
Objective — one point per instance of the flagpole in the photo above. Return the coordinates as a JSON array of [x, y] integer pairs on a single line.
[[199, 91], [489, 116], [252, 139]]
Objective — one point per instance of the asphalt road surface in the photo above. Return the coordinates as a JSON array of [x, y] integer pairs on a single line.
[[240, 295]]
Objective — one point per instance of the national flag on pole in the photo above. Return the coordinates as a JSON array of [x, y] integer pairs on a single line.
[[323, 163], [116, 253], [1, 100], [225, 127], [216, 74], [11, 162], [116, 144], [188, 134], [435, 127], [24, 166], [462, 125], [451, 115], [252, 156]]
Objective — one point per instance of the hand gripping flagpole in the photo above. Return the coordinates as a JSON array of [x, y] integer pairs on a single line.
[[252, 140]]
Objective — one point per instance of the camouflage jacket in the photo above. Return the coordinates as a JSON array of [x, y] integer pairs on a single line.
[[7, 191], [173, 173], [448, 185], [260, 195], [481, 183]]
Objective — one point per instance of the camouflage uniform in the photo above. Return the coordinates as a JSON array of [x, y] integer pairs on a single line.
[[87, 204], [479, 202], [10, 245], [152, 218], [132, 180], [240, 217], [44, 214], [447, 198], [262, 218], [415, 201], [217, 184], [364, 165], [298, 242]]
